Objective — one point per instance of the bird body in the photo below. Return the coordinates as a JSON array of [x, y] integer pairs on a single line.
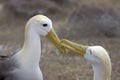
[[24, 65]]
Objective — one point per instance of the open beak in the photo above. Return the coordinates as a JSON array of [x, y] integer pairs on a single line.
[[53, 38], [74, 47]]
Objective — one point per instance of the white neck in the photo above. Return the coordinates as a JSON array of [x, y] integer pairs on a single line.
[[100, 72], [30, 53]]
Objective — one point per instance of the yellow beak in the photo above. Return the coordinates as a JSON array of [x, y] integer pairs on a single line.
[[74, 47], [53, 38]]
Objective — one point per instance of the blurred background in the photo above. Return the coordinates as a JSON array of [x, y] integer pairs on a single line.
[[87, 22]]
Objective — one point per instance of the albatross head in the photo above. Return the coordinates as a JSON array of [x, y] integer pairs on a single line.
[[42, 25], [97, 55]]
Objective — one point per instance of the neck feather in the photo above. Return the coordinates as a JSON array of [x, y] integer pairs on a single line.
[[101, 72], [30, 53]]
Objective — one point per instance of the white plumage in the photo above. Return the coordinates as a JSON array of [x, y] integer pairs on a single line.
[[24, 65], [97, 55]]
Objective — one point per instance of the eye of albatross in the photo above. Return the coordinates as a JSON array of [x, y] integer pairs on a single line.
[[45, 25]]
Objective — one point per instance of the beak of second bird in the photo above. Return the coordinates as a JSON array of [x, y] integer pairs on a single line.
[[74, 47]]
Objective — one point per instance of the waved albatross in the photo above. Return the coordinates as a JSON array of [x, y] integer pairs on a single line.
[[96, 55], [24, 65]]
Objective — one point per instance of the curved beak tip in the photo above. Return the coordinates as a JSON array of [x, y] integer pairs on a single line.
[[74, 47], [53, 38]]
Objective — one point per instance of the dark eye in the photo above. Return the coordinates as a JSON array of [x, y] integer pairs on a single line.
[[44, 25]]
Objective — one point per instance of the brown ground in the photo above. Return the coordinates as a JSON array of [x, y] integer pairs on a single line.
[[96, 22]]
